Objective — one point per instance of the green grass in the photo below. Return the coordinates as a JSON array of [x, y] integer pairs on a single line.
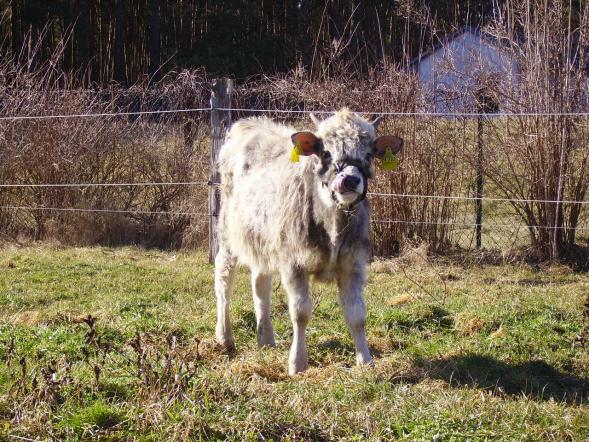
[[478, 353]]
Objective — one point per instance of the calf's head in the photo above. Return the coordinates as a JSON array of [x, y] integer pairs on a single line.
[[345, 145]]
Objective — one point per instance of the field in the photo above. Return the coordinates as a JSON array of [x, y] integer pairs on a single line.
[[117, 344]]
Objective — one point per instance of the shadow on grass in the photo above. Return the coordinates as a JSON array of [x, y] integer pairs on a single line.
[[292, 431], [536, 379], [436, 319], [246, 319], [578, 258], [334, 345]]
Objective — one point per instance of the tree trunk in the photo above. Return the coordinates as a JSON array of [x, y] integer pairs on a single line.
[[303, 37], [335, 26], [15, 25], [66, 21], [33, 13], [119, 59], [83, 36], [154, 40]]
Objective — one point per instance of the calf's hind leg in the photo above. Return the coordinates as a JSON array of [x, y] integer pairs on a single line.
[[262, 291], [225, 266]]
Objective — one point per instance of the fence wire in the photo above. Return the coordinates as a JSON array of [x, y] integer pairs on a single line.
[[375, 194], [57, 185], [503, 223], [103, 114], [107, 211], [296, 111], [375, 221]]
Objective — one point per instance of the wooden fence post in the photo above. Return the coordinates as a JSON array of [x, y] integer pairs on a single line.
[[220, 122]]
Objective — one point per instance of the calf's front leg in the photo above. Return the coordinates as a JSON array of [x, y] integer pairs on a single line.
[[262, 291], [300, 306], [351, 287]]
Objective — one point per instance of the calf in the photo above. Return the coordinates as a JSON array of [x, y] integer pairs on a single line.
[[298, 211]]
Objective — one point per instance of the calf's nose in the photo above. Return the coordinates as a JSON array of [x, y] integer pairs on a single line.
[[351, 182]]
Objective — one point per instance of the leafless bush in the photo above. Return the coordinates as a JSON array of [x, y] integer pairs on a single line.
[[543, 158], [529, 159], [172, 148], [155, 148]]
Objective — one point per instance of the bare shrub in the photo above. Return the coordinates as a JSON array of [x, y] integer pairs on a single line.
[[174, 148], [543, 158], [533, 159], [156, 148]]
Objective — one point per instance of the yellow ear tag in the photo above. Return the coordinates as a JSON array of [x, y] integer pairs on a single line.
[[389, 160], [294, 153]]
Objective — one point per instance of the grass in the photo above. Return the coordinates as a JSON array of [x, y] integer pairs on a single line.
[[479, 353]]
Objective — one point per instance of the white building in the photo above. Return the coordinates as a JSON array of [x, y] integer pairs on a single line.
[[453, 71]]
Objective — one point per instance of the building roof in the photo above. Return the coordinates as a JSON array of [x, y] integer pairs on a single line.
[[451, 37]]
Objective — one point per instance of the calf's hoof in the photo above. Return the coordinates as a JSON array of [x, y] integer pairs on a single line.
[[294, 368], [365, 360], [297, 365], [266, 339], [227, 345]]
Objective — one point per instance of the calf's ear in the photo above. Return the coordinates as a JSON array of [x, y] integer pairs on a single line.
[[376, 121], [382, 144], [306, 143], [314, 119]]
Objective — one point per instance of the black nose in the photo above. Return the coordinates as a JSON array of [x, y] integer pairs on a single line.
[[351, 182]]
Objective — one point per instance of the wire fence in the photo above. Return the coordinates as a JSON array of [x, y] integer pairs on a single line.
[[297, 111], [50, 185], [375, 194], [103, 114], [508, 222], [200, 214], [208, 183]]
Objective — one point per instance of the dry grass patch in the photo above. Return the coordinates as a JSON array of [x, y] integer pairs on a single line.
[[468, 324], [27, 317], [401, 299]]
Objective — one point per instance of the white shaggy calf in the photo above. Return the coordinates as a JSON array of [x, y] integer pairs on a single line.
[[297, 218]]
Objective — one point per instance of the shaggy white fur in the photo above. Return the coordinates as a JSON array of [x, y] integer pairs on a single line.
[[297, 219]]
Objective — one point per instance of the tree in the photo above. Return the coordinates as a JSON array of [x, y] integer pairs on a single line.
[[154, 40], [15, 24], [120, 75], [83, 36]]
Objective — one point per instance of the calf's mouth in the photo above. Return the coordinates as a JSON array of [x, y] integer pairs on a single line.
[[349, 186]]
